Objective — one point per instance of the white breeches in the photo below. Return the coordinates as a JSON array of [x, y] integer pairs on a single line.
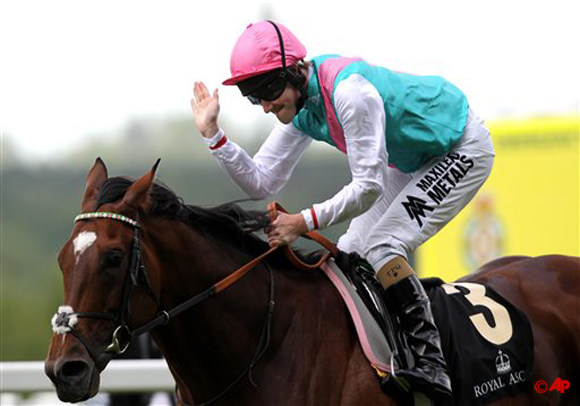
[[415, 206]]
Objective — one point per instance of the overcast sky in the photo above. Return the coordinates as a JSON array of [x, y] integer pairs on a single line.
[[70, 69]]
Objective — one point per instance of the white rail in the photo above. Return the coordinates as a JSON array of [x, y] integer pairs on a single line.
[[119, 376]]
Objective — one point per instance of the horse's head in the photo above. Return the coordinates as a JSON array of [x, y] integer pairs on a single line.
[[101, 264]]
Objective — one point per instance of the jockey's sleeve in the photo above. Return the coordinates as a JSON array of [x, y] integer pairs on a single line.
[[360, 110], [269, 170]]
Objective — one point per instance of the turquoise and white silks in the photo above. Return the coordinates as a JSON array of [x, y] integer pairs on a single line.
[[375, 197]]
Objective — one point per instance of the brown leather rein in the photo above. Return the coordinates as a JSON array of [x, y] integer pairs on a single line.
[[296, 261]]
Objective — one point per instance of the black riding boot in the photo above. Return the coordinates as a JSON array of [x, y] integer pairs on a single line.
[[410, 304]]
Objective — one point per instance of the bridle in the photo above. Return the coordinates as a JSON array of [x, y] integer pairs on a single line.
[[64, 320]]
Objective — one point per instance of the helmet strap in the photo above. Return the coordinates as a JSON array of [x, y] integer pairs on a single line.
[[298, 79], [294, 75]]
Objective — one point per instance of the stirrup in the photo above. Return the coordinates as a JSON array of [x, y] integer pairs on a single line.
[[397, 388], [393, 383]]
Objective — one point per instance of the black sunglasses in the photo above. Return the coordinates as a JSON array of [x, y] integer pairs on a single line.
[[269, 91]]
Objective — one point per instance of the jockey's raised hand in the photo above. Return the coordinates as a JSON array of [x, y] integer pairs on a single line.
[[206, 109]]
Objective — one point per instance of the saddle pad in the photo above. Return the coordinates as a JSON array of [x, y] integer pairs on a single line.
[[372, 339], [487, 342]]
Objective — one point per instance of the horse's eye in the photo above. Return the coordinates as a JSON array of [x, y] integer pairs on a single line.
[[113, 258]]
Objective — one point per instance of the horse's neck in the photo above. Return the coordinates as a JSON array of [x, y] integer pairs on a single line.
[[190, 261], [222, 332], [179, 251], [210, 345]]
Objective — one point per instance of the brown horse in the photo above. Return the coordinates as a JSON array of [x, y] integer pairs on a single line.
[[278, 336]]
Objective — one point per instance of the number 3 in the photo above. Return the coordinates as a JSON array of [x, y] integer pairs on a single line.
[[503, 330]]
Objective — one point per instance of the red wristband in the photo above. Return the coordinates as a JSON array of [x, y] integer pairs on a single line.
[[314, 219], [220, 143]]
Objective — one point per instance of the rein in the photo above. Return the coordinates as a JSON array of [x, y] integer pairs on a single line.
[[64, 320], [229, 280]]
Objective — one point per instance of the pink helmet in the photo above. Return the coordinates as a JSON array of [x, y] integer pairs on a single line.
[[258, 50]]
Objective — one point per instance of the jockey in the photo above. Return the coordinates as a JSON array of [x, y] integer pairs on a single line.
[[416, 151]]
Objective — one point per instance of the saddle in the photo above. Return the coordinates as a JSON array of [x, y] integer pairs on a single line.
[[360, 282]]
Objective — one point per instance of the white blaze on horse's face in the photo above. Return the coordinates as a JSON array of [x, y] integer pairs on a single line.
[[83, 241]]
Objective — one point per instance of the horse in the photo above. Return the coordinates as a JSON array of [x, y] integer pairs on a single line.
[[145, 261]]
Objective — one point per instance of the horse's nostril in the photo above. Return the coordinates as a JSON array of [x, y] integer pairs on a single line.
[[73, 369]]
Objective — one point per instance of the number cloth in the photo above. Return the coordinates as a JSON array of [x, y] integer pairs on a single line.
[[487, 342]]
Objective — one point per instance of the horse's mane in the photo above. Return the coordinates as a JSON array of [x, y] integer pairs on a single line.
[[227, 222]]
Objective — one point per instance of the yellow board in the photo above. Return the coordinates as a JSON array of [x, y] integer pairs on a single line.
[[528, 206]]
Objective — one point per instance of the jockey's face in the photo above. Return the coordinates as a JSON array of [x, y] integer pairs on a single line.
[[284, 107]]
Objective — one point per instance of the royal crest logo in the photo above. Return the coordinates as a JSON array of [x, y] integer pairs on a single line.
[[502, 363], [416, 209]]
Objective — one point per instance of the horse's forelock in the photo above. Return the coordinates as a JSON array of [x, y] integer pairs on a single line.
[[113, 189]]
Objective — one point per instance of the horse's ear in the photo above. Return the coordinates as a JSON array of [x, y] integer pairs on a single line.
[[137, 196], [95, 178]]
